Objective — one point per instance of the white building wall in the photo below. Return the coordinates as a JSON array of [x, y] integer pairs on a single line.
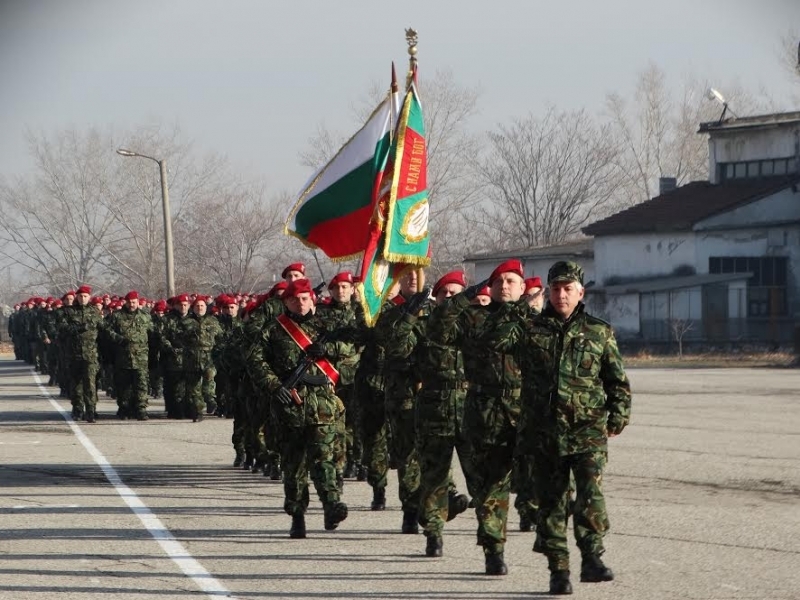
[[534, 267], [750, 144], [783, 206], [622, 311], [642, 255]]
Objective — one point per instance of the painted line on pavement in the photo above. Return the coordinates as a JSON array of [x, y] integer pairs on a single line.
[[172, 547]]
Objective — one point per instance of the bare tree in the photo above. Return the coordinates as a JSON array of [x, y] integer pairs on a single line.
[[789, 56], [679, 329], [657, 131], [546, 177]]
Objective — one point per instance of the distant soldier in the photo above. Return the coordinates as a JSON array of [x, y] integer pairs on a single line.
[[307, 412], [575, 396], [130, 329], [154, 366], [82, 324], [198, 365], [534, 293], [177, 332]]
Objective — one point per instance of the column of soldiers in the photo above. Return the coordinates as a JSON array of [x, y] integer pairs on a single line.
[[526, 394]]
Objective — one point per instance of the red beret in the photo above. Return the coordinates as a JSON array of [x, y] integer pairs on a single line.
[[533, 282], [181, 298], [294, 267], [96, 300], [484, 291], [298, 286], [160, 306], [132, 295], [451, 277], [70, 293], [512, 265], [200, 298], [84, 289], [58, 303], [343, 277], [280, 286]]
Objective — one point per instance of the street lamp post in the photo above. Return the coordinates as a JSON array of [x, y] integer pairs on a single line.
[[162, 165]]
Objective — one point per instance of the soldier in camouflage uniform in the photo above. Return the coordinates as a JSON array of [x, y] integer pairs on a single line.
[[82, 325], [198, 366], [492, 406], [575, 396], [307, 416], [155, 373], [49, 334], [130, 329], [177, 332], [439, 418], [341, 313]]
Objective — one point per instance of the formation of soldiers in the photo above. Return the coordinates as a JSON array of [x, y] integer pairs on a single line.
[[526, 395]]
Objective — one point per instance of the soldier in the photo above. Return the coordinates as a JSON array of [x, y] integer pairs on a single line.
[[13, 320], [439, 418], [155, 369], [199, 368], [534, 293], [293, 272], [174, 337], [130, 330], [341, 313], [483, 296], [576, 395], [82, 324], [308, 412], [492, 405]]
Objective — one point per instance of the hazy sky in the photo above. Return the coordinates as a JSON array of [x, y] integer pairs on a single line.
[[253, 79]]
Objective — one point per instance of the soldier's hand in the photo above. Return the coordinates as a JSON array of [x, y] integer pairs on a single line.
[[315, 350], [415, 302], [615, 425], [473, 290], [319, 288], [284, 396]]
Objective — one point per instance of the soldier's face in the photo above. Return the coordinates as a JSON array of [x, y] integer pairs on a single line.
[[293, 275], [565, 296], [68, 300], [409, 284], [232, 309], [83, 299], [133, 303], [535, 298], [444, 292], [508, 287], [301, 304], [482, 299], [199, 308], [342, 291], [183, 308]]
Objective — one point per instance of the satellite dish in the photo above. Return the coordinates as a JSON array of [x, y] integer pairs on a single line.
[[715, 95]]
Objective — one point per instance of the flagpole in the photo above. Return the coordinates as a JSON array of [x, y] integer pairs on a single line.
[[411, 40]]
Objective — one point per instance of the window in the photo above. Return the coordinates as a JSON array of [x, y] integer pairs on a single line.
[[757, 168], [766, 288]]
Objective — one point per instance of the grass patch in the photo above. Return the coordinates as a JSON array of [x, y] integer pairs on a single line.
[[712, 360]]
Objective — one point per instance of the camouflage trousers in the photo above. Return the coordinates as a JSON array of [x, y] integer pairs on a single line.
[[83, 393], [200, 390], [308, 449], [552, 482], [349, 448], [131, 386], [174, 392], [371, 401], [490, 422], [526, 502], [403, 453]]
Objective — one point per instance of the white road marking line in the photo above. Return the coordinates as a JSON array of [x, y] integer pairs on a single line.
[[43, 506], [172, 547], [20, 443]]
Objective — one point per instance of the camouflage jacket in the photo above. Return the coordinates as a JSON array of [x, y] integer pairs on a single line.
[[130, 333], [197, 353], [340, 317], [575, 390], [273, 357], [177, 334], [82, 325]]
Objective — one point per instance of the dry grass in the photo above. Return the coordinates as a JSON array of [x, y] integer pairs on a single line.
[[712, 360]]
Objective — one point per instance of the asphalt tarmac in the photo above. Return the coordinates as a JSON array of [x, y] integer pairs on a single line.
[[703, 490]]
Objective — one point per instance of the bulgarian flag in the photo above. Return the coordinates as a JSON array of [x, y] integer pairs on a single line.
[[334, 208]]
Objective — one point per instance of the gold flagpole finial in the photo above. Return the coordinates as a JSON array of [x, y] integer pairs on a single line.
[[411, 40]]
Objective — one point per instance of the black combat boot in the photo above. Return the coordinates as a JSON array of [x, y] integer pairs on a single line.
[[298, 530], [559, 583], [410, 524], [142, 415], [237, 462], [349, 470], [434, 546], [258, 465], [456, 504], [275, 471], [525, 522], [593, 569], [248, 461], [378, 499], [335, 513], [495, 565], [361, 474]]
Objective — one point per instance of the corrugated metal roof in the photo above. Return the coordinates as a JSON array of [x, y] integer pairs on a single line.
[[660, 284], [577, 248]]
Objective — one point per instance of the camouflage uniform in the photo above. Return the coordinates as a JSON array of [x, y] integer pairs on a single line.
[[177, 334], [82, 325], [130, 332], [198, 367], [575, 393], [402, 384], [155, 374], [491, 411], [308, 430], [439, 418], [229, 359]]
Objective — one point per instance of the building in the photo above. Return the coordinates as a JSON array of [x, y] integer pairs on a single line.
[[717, 259], [537, 260]]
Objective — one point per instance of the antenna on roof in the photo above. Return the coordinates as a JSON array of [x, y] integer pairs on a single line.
[[713, 94]]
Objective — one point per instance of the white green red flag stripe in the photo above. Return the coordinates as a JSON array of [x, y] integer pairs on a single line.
[[333, 210]]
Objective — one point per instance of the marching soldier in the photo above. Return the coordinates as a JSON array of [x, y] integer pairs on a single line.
[[307, 412], [199, 370]]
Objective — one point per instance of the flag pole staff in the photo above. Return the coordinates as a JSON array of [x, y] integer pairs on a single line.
[[411, 40]]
